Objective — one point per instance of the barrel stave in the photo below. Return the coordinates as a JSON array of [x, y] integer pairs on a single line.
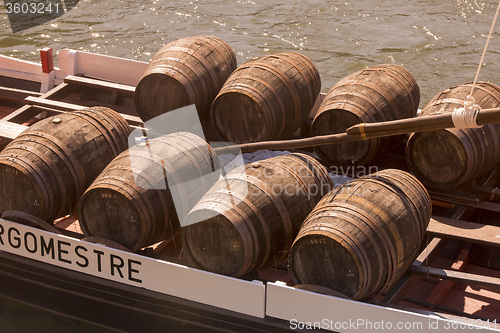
[[259, 208], [266, 98], [59, 157], [187, 71], [156, 183], [462, 154], [379, 93], [373, 228]]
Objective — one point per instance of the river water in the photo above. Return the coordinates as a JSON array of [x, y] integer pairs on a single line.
[[439, 42]]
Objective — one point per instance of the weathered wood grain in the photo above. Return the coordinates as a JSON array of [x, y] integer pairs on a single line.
[[363, 235], [10, 130], [132, 200], [463, 230], [250, 217], [266, 98], [450, 157], [375, 94], [68, 107], [99, 84], [46, 169], [17, 95], [186, 71]]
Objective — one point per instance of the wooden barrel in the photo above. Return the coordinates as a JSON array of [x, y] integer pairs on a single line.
[[450, 157], [379, 93], [362, 236], [186, 71], [135, 200], [266, 98], [46, 169], [249, 218]]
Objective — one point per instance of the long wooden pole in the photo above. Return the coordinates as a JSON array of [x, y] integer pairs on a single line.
[[420, 124], [367, 131]]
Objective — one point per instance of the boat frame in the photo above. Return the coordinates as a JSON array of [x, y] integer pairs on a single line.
[[149, 292]]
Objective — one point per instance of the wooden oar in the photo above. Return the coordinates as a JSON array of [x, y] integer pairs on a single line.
[[367, 131], [419, 124]]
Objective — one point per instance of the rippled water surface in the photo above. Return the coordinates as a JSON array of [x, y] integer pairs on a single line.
[[439, 42]]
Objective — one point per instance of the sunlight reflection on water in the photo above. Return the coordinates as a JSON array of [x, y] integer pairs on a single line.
[[439, 43]]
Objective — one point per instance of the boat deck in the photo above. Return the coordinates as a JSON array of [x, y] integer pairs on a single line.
[[457, 274]]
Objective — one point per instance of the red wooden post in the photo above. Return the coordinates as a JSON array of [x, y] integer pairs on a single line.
[[47, 60]]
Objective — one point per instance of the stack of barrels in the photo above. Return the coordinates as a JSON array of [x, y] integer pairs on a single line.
[[363, 235], [356, 239], [250, 217], [266, 98], [46, 169], [143, 195], [379, 93], [451, 157]]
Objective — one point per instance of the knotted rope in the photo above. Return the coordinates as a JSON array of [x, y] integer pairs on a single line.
[[466, 117]]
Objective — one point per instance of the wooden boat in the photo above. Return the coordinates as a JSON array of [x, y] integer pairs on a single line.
[[155, 288]]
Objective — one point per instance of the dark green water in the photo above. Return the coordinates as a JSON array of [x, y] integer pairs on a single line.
[[439, 42]]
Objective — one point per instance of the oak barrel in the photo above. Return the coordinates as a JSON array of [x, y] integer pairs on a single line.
[[45, 170], [450, 157], [266, 98], [379, 93], [140, 196], [249, 219], [362, 236], [187, 71]]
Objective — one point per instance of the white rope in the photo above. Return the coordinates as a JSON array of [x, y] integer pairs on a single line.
[[485, 48], [466, 117]]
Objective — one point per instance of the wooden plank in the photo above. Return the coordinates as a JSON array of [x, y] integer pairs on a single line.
[[488, 282], [486, 205], [400, 288], [99, 84], [17, 95], [460, 197], [63, 106], [19, 113], [443, 288], [58, 91], [10, 130], [431, 251], [307, 310], [465, 201], [89, 102], [124, 71], [24, 70], [20, 65], [463, 230], [493, 192]]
